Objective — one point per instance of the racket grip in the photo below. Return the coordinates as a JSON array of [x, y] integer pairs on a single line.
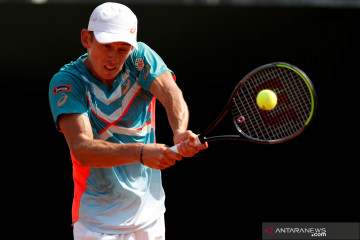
[[175, 147]]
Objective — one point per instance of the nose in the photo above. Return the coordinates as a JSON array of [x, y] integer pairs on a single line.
[[113, 59], [113, 56]]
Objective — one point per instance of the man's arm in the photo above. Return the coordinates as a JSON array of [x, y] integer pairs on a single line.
[[169, 94], [101, 154]]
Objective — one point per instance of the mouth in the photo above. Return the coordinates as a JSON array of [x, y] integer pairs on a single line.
[[110, 67]]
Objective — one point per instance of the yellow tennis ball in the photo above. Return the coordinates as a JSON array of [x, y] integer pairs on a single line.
[[266, 99]]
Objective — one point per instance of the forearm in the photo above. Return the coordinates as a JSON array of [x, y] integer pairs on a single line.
[[95, 153], [102, 154], [177, 112], [168, 93]]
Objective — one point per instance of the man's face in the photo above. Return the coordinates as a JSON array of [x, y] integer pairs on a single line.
[[105, 61]]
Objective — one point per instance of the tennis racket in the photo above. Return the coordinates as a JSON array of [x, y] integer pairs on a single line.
[[293, 113]]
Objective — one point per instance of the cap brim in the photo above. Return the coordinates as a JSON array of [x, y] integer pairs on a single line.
[[105, 37]]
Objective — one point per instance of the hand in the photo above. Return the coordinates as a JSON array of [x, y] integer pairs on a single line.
[[159, 156], [189, 143]]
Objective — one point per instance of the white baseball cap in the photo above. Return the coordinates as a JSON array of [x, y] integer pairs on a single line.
[[114, 22]]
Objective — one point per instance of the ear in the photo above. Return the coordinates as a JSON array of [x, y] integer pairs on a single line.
[[85, 38]]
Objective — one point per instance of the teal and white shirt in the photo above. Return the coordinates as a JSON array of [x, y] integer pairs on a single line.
[[125, 198]]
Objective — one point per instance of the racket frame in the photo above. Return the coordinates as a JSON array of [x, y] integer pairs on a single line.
[[202, 136]]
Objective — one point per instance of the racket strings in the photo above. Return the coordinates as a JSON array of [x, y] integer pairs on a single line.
[[274, 133], [256, 128], [292, 121], [288, 99], [287, 118]]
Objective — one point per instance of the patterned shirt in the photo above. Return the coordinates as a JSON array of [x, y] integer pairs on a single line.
[[129, 197]]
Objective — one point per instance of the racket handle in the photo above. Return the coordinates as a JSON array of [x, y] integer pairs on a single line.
[[175, 147]]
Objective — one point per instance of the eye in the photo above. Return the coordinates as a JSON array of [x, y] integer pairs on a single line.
[[123, 50]]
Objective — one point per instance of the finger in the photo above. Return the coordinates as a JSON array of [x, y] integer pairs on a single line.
[[187, 150], [197, 144], [203, 146], [184, 136], [164, 163], [171, 155], [192, 140]]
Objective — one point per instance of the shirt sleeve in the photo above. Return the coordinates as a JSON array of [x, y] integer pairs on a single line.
[[148, 64], [66, 95]]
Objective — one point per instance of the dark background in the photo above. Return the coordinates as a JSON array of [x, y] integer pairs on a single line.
[[228, 190]]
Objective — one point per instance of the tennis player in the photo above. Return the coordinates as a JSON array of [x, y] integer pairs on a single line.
[[104, 104]]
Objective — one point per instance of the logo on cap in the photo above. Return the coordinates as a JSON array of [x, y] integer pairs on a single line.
[[133, 30]]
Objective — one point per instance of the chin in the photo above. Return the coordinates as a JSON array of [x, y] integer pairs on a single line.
[[109, 77]]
